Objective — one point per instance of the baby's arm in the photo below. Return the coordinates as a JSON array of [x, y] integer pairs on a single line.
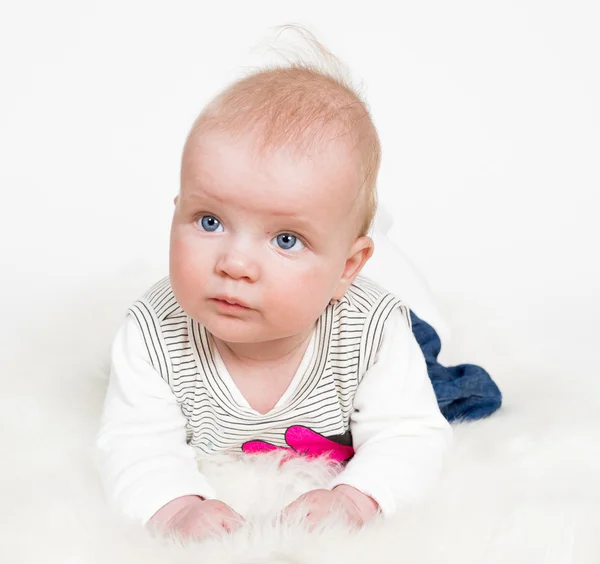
[[399, 434], [145, 464]]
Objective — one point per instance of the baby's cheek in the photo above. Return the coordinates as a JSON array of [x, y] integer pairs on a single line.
[[318, 279], [186, 269], [310, 292], [186, 256]]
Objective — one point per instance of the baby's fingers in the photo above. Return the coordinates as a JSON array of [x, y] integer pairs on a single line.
[[296, 509], [232, 522], [306, 514]]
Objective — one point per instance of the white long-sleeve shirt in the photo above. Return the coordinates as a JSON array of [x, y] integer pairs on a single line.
[[170, 398]]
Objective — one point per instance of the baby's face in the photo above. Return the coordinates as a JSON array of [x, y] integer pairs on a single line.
[[258, 244]]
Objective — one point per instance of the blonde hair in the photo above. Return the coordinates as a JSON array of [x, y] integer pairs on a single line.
[[301, 105]]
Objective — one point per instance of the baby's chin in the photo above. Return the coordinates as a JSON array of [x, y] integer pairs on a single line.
[[234, 330], [238, 331]]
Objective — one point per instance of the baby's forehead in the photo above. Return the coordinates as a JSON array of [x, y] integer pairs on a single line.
[[209, 151], [229, 168]]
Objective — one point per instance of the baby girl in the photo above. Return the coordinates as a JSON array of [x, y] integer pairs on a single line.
[[265, 336]]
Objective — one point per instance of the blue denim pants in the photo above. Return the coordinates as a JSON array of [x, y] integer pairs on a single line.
[[464, 392]]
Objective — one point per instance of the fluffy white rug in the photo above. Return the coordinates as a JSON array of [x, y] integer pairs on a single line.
[[522, 486]]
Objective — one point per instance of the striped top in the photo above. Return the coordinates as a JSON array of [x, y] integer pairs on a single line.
[[170, 399], [344, 345]]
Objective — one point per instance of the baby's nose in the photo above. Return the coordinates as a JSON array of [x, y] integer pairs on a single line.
[[237, 265]]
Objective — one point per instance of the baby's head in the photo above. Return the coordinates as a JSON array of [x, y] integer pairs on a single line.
[[277, 197]]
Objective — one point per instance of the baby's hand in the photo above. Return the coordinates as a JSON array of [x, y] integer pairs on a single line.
[[316, 505], [193, 517]]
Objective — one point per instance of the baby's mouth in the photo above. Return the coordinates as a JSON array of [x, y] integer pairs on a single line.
[[230, 303]]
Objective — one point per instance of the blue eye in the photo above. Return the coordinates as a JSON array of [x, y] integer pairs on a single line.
[[210, 223], [288, 242]]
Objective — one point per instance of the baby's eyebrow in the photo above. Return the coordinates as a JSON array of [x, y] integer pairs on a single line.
[[190, 198], [194, 198], [288, 215], [291, 216], [201, 187]]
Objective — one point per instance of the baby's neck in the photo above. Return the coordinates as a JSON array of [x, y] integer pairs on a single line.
[[269, 352]]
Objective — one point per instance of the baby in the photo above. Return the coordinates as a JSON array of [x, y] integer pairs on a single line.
[[264, 336]]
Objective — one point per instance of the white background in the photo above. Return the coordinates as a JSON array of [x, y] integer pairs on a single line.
[[488, 114]]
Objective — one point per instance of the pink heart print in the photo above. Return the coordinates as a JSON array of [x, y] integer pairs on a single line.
[[304, 441]]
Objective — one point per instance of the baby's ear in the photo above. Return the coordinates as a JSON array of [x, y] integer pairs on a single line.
[[176, 199], [359, 254]]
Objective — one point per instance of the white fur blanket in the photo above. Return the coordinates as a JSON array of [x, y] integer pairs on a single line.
[[522, 486]]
